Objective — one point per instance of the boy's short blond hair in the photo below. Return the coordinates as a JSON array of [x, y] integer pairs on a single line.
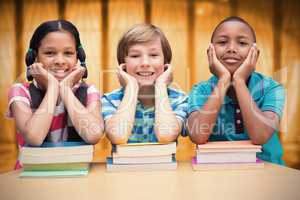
[[139, 34]]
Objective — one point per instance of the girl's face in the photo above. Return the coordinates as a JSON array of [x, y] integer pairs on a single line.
[[145, 61], [57, 53], [232, 42]]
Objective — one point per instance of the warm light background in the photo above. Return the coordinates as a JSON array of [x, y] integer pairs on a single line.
[[188, 25]]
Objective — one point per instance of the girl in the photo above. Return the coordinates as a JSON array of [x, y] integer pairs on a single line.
[[56, 106], [236, 103]]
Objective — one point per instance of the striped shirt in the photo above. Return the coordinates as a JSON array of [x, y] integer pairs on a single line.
[[143, 128], [58, 128]]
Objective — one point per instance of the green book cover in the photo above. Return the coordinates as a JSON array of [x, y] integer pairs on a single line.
[[56, 167]]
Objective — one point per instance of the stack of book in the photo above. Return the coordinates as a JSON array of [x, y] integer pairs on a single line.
[[142, 157], [227, 155], [56, 159]]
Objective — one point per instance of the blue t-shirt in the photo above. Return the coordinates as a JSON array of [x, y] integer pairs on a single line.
[[268, 96], [143, 129]]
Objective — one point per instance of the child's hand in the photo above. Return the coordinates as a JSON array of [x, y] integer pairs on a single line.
[[124, 78], [42, 76], [73, 78], [215, 66], [248, 66], [167, 76]]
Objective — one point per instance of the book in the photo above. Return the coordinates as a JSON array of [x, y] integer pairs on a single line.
[[227, 152], [71, 148], [244, 145], [143, 149], [56, 158], [226, 157], [110, 167], [226, 166], [64, 159], [61, 173], [63, 152], [56, 167], [143, 160]]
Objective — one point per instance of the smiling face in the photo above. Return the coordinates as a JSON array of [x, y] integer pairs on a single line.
[[57, 53], [145, 61], [232, 41]]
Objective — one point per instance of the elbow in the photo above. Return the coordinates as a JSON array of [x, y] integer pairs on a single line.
[[35, 143], [34, 136], [95, 135], [198, 140], [258, 140], [32, 139], [169, 133], [165, 137], [198, 137], [117, 132], [117, 139], [94, 138]]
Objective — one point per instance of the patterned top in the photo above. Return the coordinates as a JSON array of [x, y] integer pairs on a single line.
[[143, 130], [58, 128], [268, 95]]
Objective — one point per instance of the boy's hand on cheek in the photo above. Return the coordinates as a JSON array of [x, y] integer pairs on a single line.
[[73, 78], [42, 76], [215, 66], [166, 77], [125, 79], [248, 66]]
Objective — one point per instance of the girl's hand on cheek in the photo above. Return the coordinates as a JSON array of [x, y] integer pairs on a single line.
[[42, 76], [73, 78]]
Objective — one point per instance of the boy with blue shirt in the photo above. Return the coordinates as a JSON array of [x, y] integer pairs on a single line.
[[236, 103], [145, 109]]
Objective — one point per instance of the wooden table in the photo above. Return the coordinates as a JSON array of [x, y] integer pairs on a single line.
[[273, 182]]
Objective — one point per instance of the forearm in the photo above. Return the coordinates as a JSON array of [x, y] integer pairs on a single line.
[[201, 122], [167, 125], [87, 122], [253, 118], [37, 126], [119, 127]]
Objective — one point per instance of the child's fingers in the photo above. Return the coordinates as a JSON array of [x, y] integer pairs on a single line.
[[249, 56], [211, 54], [253, 56], [122, 75], [36, 69], [121, 68], [169, 68], [256, 54], [169, 73], [80, 72]]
